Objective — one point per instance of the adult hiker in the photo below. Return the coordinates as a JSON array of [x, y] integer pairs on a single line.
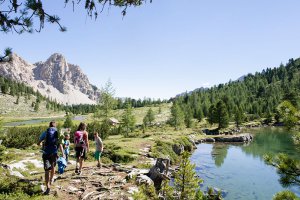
[[81, 143], [51, 142], [99, 148]]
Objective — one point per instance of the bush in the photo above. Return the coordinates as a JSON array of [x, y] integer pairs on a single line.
[[117, 154], [285, 195], [23, 137], [11, 184]]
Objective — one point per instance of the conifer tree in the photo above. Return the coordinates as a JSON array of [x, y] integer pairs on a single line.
[[222, 115], [149, 118], [177, 116], [128, 120], [68, 123], [186, 181], [287, 112], [105, 106]]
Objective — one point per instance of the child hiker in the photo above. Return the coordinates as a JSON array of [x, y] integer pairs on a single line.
[[67, 146], [99, 148]]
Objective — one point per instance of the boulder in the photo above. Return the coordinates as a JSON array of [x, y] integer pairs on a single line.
[[143, 179], [209, 140], [178, 149], [159, 171]]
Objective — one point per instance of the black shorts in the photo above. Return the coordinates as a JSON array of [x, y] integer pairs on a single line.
[[80, 152], [49, 161]]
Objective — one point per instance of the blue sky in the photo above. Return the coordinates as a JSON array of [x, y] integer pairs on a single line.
[[170, 46]]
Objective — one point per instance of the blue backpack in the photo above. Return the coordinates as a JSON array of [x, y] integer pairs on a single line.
[[51, 140], [61, 164]]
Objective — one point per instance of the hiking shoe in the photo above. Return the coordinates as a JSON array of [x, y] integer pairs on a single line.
[[99, 165], [76, 171], [47, 191], [79, 173]]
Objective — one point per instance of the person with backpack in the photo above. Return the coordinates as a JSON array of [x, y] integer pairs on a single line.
[[52, 142], [81, 143]]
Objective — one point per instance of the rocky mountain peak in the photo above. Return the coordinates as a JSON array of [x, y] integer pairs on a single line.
[[55, 74]]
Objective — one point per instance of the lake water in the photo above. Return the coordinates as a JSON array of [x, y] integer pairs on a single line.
[[240, 169], [43, 120]]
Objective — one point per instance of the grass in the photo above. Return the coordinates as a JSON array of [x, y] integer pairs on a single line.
[[18, 112]]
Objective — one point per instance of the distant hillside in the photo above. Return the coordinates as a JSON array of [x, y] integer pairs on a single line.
[[19, 100], [54, 78], [257, 95]]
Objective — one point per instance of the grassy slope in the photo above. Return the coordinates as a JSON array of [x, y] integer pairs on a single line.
[[11, 111]]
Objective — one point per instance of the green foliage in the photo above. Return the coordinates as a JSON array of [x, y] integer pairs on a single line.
[[285, 195], [104, 109], [20, 17], [212, 117], [167, 191], [145, 193], [222, 115], [177, 116], [239, 117], [117, 154], [68, 123], [186, 181], [163, 149], [11, 184], [2, 150], [149, 118], [22, 137], [128, 121], [256, 95], [287, 112], [287, 168]]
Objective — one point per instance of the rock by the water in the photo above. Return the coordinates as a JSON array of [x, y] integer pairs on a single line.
[[178, 149], [210, 140], [245, 137], [143, 179]]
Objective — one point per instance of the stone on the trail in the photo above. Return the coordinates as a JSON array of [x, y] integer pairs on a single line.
[[43, 188], [143, 179], [136, 172], [72, 189], [16, 173], [72, 162], [132, 190]]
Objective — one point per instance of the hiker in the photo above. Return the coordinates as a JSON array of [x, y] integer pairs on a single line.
[[99, 148], [81, 143], [51, 142], [67, 146]]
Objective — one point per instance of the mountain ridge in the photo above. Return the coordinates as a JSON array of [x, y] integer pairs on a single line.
[[55, 78]]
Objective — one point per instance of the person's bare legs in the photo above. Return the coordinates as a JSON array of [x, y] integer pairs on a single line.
[[52, 172], [81, 160], [47, 182]]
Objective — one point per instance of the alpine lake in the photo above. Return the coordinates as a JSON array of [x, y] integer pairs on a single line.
[[239, 170]]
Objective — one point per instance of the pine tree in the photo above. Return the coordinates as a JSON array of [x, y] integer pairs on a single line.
[[186, 181], [287, 112], [128, 120], [104, 108], [222, 115], [68, 123], [177, 116], [149, 118], [212, 118]]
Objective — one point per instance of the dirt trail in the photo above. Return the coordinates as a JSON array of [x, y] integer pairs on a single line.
[[94, 183]]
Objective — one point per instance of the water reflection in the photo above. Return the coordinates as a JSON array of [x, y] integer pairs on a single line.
[[272, 141], [219, 153], [240, 169]]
